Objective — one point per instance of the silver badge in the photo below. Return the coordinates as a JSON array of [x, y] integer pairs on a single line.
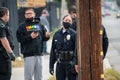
[[55, 40], [68, 37]]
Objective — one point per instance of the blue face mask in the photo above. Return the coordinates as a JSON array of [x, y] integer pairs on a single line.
[[66, 25]]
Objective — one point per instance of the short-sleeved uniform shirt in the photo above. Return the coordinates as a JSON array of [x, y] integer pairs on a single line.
[[5, 32]]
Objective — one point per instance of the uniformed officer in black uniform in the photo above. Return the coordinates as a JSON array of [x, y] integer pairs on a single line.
[[73, 14], [6, 45], [63, 52], [105, 42]]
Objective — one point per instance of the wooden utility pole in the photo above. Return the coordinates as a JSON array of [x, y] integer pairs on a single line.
[[89, 40]]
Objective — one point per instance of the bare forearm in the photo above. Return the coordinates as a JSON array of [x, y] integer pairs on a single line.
[[6, 44]]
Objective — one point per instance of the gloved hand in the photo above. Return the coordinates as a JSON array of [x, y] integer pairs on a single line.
[[12, 56], [51, 71]]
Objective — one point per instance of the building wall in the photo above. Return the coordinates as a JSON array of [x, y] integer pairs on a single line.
[[31, 3]]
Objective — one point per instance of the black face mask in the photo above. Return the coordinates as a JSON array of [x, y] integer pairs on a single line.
[[34, 20], [66, 25], [29, 19]]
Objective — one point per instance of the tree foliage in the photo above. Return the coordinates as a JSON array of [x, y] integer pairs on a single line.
[[69, 2], [118, 2], [61, 0], [58, 0]]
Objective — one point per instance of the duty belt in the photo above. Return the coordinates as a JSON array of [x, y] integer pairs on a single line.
[[65, 55]]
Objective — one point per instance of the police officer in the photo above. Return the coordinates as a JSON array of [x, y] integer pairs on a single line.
[[73, 14], [63, 51], [6, 45], [105, 44], [31, 35]]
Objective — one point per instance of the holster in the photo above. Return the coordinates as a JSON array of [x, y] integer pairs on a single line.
[[71, 69]]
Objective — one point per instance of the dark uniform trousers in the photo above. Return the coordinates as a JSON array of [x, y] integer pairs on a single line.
[[5, 69], [62, 71]]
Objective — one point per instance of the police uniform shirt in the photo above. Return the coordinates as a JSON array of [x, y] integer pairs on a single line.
[[2, 34], [2, 29], [66, 38], [5, 32]]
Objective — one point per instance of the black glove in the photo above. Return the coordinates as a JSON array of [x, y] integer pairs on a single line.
[[12, 56], [51, 71]]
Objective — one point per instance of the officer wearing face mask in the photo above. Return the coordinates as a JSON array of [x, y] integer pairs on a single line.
[[63, 51]]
